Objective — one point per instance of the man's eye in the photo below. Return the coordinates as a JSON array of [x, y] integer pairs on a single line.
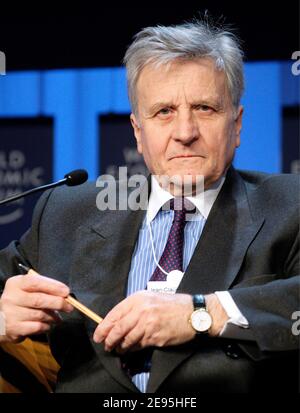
[[204, 108], [164, 111]]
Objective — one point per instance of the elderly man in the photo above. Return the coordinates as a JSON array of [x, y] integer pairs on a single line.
[[201, 304]]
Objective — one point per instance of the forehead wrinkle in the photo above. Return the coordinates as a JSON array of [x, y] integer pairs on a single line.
[[175, 87]]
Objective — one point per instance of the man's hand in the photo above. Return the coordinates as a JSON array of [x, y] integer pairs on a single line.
[[154, 319], [29, 304], [147, 319]]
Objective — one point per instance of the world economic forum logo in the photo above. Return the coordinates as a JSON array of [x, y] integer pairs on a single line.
[[16, 177]]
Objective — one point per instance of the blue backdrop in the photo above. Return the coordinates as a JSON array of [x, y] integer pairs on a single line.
[[76, 98]]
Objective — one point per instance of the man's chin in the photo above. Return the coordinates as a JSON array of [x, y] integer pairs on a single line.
[[182, 184]]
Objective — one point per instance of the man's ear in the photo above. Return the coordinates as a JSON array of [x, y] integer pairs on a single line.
[[238, 126], [137, 132]]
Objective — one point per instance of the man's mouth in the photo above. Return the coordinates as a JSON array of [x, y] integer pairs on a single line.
[[186, 156]]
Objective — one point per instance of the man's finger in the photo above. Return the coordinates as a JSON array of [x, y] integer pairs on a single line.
[[113, 317], [120, 330], [46, 316], [33, 327], [33, 283], [132, 341], [44, 301]]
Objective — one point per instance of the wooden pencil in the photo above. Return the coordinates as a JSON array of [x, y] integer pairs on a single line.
[[80, 307]]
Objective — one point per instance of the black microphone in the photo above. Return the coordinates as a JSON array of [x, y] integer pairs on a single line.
[[77, 177]]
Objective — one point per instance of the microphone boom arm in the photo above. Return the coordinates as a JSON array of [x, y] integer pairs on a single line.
[[73, 178], [32, 191]]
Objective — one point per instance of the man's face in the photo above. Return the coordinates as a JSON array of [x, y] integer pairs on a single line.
[[186, 124]]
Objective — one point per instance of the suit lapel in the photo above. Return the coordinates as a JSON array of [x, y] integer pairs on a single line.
[[226, 236], [215, 264]]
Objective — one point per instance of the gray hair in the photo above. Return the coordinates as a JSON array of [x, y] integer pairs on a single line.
[[189, 41]]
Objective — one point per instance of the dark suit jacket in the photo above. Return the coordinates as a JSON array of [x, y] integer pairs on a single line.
[[249, 245]]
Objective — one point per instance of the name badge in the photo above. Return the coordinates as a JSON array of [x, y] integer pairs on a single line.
[[167, 287]]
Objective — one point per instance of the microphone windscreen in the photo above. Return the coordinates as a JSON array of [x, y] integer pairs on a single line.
[[77, 177]]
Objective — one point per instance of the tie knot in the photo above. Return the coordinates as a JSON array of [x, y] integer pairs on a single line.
[[177, 205], [181, 207], [181, 204]]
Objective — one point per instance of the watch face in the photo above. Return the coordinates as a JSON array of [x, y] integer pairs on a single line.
[[201, 320]]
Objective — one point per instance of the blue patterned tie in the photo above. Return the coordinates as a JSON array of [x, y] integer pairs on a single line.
[[172, 256]]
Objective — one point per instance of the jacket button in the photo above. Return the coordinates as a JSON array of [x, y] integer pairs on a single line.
[[232, 352]]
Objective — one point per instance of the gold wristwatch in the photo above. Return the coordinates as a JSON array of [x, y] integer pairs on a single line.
[[200, 319]]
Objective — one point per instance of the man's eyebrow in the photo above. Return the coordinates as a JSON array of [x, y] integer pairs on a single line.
[[217, 102], [207, 101], [159, 105]]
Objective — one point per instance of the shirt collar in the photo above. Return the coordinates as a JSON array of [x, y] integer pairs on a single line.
[[202, 201]]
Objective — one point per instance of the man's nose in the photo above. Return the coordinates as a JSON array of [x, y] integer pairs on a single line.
[[185, 128]]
